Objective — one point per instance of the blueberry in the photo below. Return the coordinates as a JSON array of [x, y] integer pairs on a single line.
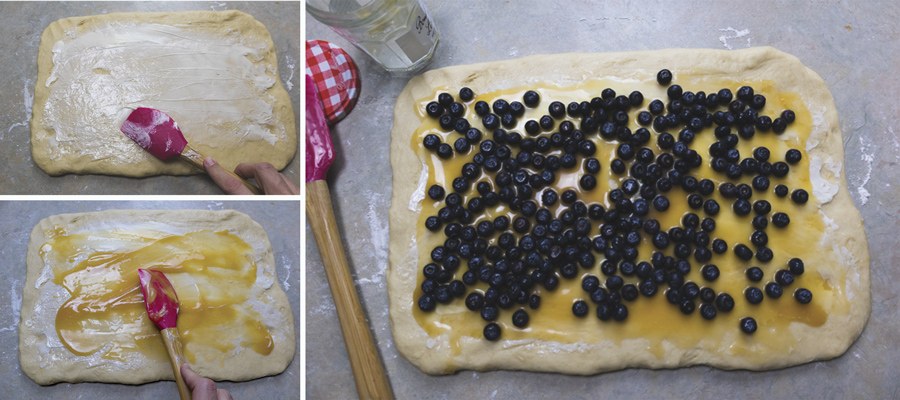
[[557, 109], [433, 223], [614, 282], [780, 219], [489, 312], [707, 311], [781, 190], [762, 207], [534, 301], [764, 254], [674, 92], [741, 207], [800, 196], [719, 246], [456, 110], [604, 312], [774, 290], [647, 288], [635, 98], [803, 295], [587, 182], [517, 109], [492, 331], [686, 307], [760, 183], [546, 122], [753, 295], [520, 318], [784, 277], [531, 98], [724, 302], [629, 292], [590, 283], [660, 203], [780, 169], [532, 127], [482, 108], [664, 77], [445, 99], [434, 109], [500, 107], [745, 93], [707, 295], [743, 252], [710, 272], [619, 312], [431, 141], [580, 308], [475, 301], [759, 238], [466, 94], [748, 325], [793, 156], [795, 265], [757, 102], [656, 107], [754, 274], [427, 303]]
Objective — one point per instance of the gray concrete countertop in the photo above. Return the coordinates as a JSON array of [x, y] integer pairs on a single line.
[[21, 24], [280, 219], [854, 46]]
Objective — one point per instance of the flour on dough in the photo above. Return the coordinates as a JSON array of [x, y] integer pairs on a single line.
[[215, 73]]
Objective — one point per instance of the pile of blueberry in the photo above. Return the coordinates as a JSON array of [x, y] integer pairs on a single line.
[[555, 235]]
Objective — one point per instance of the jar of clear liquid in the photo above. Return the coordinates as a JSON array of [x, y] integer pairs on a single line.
[[398, 34]]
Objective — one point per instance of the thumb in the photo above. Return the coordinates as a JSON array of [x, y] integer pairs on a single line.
[[228, 183], [201, 388]]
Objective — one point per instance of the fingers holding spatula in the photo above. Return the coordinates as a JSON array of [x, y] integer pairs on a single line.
[[158, 134]]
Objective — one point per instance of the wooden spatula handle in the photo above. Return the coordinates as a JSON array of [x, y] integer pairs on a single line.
[[371, 380], [176, 357], [196, 159]]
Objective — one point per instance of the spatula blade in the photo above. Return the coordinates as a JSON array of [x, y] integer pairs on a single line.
[[159, 298], [155, 131]]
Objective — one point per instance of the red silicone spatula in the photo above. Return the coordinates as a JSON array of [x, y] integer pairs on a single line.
[[156, 132], [162, 307], [371, 380]]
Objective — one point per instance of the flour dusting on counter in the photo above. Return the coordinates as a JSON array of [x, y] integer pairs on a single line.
[[291, 64], [868, 157], [28, 98], [730, 33], [15, 304], [378, 230]]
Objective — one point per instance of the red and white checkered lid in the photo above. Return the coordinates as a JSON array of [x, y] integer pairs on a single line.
[[336, 78]]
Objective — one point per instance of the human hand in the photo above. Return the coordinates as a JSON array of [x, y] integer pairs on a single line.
[[202, 388], [272, 181]]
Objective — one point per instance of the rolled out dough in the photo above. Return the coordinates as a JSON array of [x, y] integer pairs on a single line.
[[842, 250], [215, 73], [45, 359]]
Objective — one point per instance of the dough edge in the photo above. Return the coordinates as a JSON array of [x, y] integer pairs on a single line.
[[434, 356], [207, 20], [246, 366]]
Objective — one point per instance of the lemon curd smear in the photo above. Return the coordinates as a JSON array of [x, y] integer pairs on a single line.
[[212, 274], [652, 319]]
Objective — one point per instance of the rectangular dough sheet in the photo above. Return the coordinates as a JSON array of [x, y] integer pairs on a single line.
[[215, 73], [839, 257], [45, 359]]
